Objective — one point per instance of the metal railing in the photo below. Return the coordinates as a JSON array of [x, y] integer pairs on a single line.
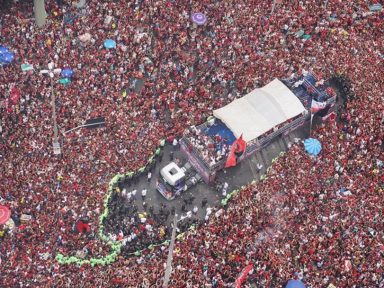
[[260, 143], [331, 100], [251, 148], [195, 152]]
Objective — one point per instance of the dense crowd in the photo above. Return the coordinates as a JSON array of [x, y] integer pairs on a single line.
[[211, 148], [167, 74]]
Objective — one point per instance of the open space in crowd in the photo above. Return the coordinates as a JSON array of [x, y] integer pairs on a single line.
[[317, 219]]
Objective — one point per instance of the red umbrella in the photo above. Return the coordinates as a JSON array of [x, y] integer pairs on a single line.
[[5, 214]]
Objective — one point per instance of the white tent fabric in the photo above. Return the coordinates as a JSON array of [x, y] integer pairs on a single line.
[[260, 110]]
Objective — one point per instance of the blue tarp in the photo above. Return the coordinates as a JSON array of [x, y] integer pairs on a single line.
[[6, 58], [295, 284], [3, 49], [220, 129], [67, 73]]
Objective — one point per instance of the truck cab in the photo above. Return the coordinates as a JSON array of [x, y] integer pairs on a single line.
[[171, 181]]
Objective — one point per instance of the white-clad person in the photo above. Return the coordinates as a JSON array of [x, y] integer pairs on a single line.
[[134, 194], [143, 194]]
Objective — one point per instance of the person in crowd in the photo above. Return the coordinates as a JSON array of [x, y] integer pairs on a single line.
[[167, 74]]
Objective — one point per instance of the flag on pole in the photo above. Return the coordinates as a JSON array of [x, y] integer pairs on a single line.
[[310, 125], [317, 106], [231, 160], [241, 145], [237, 147]]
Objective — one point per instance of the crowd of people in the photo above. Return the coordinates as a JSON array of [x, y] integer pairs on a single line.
[[166, 74], [211, 148]]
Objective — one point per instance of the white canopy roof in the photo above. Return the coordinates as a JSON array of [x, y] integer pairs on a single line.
[[260, 110]]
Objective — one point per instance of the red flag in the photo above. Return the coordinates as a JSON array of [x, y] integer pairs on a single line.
[[243, 275], [231, 160], [240, 144]]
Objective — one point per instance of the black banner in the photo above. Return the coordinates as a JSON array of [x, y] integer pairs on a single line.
[[95, 123]]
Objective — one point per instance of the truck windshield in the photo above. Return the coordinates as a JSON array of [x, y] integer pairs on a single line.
[[166, 184]]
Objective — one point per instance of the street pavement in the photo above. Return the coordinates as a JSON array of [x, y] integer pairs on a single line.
[[244, 173]]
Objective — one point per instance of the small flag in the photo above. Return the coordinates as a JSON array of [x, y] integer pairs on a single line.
[[317, 106]]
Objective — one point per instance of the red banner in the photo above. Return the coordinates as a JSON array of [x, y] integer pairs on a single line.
[[238, 146], [243, 275]]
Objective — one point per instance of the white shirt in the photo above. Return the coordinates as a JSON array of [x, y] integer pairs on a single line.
[[144, 192]]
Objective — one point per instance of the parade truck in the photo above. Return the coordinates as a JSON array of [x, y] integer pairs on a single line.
[[246, 125], [250, 123]]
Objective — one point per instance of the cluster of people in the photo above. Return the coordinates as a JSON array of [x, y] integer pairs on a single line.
[[166, 74], [211, 148]]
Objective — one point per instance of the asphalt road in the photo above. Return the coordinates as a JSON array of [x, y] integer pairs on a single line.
[[244, 173]]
